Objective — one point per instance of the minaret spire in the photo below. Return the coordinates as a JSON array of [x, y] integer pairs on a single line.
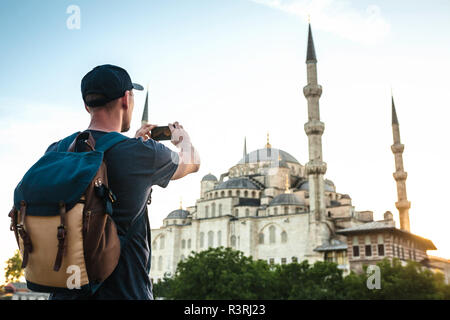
[[145, 113], [316, 167], [400, 175]]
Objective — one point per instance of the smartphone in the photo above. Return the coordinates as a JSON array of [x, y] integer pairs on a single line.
[[161, 133]]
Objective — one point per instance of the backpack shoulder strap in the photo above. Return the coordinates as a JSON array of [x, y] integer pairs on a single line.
[[64, 144], [109, 140]]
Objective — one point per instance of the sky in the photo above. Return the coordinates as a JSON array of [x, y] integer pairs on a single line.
[[229, 69]]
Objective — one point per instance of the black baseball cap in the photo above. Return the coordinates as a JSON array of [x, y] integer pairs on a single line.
[[109, 81]]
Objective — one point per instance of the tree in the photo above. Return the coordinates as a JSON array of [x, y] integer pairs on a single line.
[[13, 270], [220, 273]]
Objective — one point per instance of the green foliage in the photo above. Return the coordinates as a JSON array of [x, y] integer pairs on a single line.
[[223, 273], [13, 270]]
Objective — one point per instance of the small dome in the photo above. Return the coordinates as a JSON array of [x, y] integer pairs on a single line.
[[305, 186], [178, 214], [286, 199], [209, 177], [237, 183]]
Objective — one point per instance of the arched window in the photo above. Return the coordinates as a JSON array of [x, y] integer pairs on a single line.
[[272, 234], [206, 211], [202, 239], [253, 194], [155, 245], [213, 210], [286, 210], [189, 244], [261, 238], [222, 194], [219, 238], [233, 241], [275, 211], [297, 210], [210, 239], [238, 193], [229, 193], [284, 237], [183, 244], [220, 209], [247, 212], [236, 212], [161, 242], [246, 194], [160, 261]]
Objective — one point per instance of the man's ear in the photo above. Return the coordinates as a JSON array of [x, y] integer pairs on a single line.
[[87, 109], [126, 100]]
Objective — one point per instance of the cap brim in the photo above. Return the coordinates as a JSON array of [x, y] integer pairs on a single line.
[[137, 86]]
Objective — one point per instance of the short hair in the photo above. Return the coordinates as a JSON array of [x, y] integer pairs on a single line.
[[91, 98]]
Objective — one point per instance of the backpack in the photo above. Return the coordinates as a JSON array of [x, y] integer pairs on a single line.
[[61, 217]]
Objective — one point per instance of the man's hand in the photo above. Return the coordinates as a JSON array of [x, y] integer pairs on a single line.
[[145, 131], [180, 137], [188, 156]]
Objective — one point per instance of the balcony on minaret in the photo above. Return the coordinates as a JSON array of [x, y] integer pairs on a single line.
[[397, 148], [314, 127], [400, 175], [403, 204], [316, 167], [312, 90]]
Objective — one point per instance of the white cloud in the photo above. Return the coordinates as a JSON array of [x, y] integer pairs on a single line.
[[337, 17]]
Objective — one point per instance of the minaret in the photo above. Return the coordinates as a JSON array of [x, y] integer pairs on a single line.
[[400, 175], [245, 150], [145, 113], [315, 168]]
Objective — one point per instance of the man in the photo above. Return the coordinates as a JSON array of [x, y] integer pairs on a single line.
[[133, 165]]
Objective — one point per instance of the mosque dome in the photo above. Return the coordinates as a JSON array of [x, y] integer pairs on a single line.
[[237, 183], [286, 199], [329, 186], [268, 154], [209, 177], [178, 214]]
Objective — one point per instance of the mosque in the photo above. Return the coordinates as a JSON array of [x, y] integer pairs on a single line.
[[271, 207]]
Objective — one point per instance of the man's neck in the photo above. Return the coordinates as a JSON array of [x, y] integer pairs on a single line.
[[102, 126]]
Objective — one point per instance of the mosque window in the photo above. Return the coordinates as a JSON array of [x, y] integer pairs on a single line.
[[160, 260], [155, 245], [286, 210], [229, 193], [368, 249], [271, 234], [275, 211], [271, 261], [222, 194], [219, 238], [245, 194], [294, 259], [161, 242], [253, 194], [213, 210], [261, 238], [380, 238], [403, 253], [381, 250], [283, 260], [414, 254], [220, 209], [215, 194], [207, 211], [233, 241], [210, 239], [297, 210], [183, 244], [189, 243], [355, 251], [393, 250], [238, 193], [284, 237], [247, 212], [236, 212], [202, 239]]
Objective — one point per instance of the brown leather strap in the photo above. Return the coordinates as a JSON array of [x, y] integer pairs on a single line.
[[27, 246], [61, 235]]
